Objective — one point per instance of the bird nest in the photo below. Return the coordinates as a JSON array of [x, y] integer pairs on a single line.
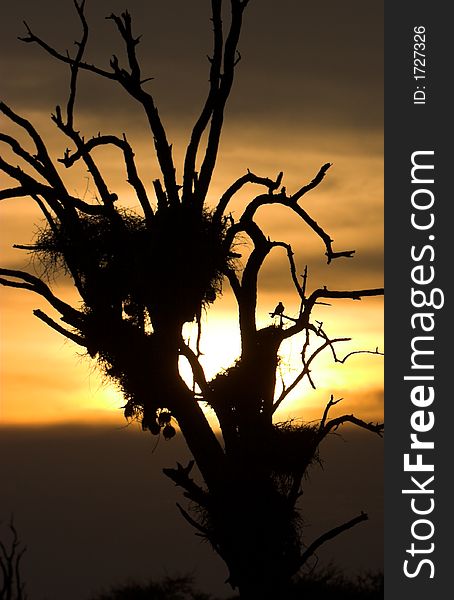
[[173, 266], [292, 447]]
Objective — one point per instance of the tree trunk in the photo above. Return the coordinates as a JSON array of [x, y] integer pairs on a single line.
[[256, 532]]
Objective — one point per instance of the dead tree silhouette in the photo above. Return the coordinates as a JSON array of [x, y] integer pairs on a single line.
[[11, 553], [142, 277]]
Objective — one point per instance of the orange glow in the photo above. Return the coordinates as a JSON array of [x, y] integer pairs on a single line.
[[43, 380]]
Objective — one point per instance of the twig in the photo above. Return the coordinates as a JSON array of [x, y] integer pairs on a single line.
[[51, 323], [329, 535]]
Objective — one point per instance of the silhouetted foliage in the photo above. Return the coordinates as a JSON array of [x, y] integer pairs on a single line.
[[143, 275], [332, 584], [170, 588], [329, 583]]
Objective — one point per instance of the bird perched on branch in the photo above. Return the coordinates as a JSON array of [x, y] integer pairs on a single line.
[[278, 310]]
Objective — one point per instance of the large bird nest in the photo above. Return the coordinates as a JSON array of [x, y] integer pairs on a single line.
[[291, 446], [171, 268]]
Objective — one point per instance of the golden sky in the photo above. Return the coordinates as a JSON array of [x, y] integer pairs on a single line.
[[309, 90]]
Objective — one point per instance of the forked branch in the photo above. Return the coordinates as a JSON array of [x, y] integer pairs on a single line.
[[204, 118], [26, 281], [327, 427], [59, 329], [130, 81], [291, 202], [11, 585], [63, 204], [306, 370], [333, 424], [133, 179], [239, 184], [220, 97], [310, 302], [41, 162]]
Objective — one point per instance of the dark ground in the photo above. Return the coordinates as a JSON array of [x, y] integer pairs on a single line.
[[94, 509]]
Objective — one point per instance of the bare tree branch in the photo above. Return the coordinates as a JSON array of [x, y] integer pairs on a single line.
[[217, 116], [56, 194], [240, 183], [19, 151], [197, 369], [124, 26], [75, 65], [234, 282], [192, 521], [161, 196], [292, 203], [330, 404], [291, 260], [313, 184], [333, 424], [106, 196], [180, 476], [249, 281], [128, 155], [68, 127], [351, 294], [59, 329], [34, 284], [139, 288], [303, 321], [12, 587], [133, 86], [343, 360], [63, 204], [42, 157], [32, 38], [204, 118], [47, 215], [16, 192], [329, 535], [305, 371]]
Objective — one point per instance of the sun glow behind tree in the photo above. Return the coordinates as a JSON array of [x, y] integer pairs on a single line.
[[23, 370], [78, 393]]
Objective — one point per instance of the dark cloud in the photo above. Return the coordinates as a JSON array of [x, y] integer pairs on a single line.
[[93, 508], [302, 62]]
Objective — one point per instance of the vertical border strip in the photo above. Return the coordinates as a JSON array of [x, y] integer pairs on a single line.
[[418, 322]]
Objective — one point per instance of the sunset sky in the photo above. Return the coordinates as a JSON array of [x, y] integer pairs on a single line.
[[308, 91]]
